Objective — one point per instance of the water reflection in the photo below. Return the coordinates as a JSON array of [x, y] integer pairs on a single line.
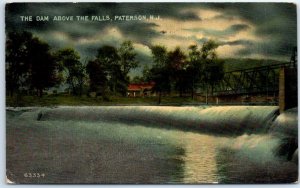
[[79, 151], [200, 164]]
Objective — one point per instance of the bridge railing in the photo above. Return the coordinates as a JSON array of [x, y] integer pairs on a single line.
[[258, 80]]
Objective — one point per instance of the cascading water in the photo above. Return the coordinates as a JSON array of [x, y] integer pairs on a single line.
[[224, 120], [285, 127], [153, 144]]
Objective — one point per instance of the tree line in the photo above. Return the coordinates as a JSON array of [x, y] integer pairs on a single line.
[[32, 66], [184, 73]]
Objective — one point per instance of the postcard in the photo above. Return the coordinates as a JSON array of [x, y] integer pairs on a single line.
[[151, 93]]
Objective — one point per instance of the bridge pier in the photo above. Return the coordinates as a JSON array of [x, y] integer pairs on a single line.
[[288, 95]]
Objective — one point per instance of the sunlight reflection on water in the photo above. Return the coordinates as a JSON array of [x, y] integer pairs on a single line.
[[102, 151], [200, 163]]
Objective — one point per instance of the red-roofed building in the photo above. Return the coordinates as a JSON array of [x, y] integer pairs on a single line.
[[140, 89]]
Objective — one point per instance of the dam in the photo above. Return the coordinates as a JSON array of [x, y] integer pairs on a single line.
[[152, 144]]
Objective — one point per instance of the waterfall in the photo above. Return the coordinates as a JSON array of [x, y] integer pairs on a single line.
[[212, 119], [233, 144]]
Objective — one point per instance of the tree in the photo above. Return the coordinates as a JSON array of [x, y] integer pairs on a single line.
[[117, 63], [213, 68], [69, 59], [160, 73], [43, 68], [80, 74], [146, 74], [97, 77], [160, 76], [208, 50], [194, 68], [215, 73], [109, 58], [127, 62], [177, 65], [29, 64], [17, 64], [127, 57], [159, 55], [136, 79]]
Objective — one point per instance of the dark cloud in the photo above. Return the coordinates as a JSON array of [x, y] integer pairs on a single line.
[[232, 30], [138, 31], [141, 32], [256, 13], [238, 27], [277, 22], [189, 16], [274, 23], [246, 43], [274, 49], [165, 10]]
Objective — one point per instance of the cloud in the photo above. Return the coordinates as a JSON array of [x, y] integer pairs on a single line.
[[275, 23], [232, 30], [237, 42], [273, 49], [141, 32], [238, 27], [242, 29]]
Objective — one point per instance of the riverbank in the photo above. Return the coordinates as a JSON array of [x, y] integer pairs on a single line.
[[68, 100], [65, 100]]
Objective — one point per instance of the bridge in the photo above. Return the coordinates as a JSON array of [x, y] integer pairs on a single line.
[[274, 84], [254, 81], [259, 80]]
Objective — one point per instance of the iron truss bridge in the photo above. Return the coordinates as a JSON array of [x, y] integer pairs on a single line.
[[259, 80]]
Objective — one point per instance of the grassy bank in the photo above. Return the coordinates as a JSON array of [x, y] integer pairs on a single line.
[[55, 100]]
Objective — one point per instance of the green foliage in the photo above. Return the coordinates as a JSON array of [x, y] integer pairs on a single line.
[[161, 77], [17, 65], [145, 77], [214, 72], [195, 67], [29, 64], [116, 64], [194, 55], [160, 73], [175, 69], [176, 59], [43, 66], [97, 77], [69, 60], [208, 50], [212, 67], [127, 57], [159, 55], [109, 59], [108, 55], [137, 79], [32, 68], [177, 66]]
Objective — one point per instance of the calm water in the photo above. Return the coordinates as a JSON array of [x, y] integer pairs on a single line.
[[113, 145]]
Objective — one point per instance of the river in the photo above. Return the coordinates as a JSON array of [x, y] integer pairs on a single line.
[[152, 144]]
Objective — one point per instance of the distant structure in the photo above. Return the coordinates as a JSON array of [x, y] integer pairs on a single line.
[[140, 89], [288, 87], [274, 84], [294, 58]]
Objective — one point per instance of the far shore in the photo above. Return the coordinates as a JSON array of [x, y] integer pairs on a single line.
[[61, 100]]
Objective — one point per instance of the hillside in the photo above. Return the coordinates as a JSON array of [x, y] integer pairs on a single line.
[[238, 64]]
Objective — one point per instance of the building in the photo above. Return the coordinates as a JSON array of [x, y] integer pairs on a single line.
[[140, 89]]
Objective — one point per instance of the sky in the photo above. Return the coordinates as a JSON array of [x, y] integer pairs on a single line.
[[242, 30]]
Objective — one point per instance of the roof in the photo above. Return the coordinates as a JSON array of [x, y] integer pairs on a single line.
[[140, 86]]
